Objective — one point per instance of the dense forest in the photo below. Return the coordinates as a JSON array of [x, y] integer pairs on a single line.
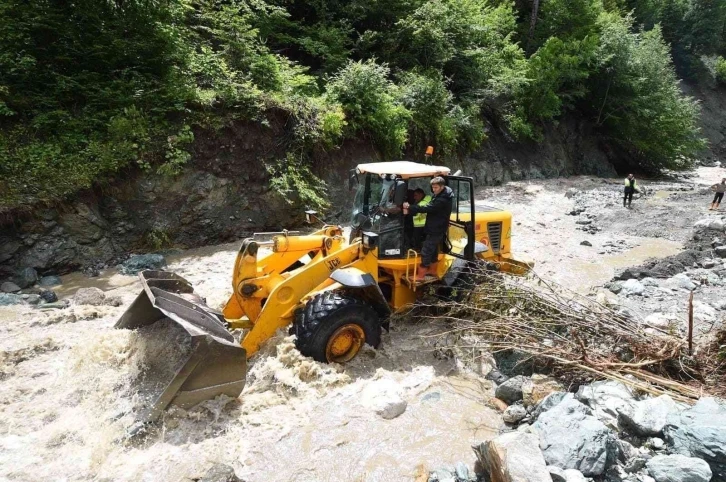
[[90, 88]]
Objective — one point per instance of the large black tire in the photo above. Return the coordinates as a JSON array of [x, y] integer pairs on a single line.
[[326, 314]]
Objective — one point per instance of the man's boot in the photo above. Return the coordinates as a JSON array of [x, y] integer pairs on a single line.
[[421, 273]]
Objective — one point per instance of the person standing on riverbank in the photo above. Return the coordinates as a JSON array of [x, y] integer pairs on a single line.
[[719, 188], [631, 185]]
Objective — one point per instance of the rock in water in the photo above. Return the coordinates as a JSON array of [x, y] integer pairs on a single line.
[[220, 473], [572, 438], [678, 468], [141, 262], [385, 398], [89, 296], [7, 299], [49, 281], [513, 457]]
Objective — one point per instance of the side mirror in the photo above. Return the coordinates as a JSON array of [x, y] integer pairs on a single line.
[[401, 193], [352, 180]]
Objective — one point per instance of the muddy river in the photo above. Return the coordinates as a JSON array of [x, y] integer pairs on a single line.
[[67, 377]]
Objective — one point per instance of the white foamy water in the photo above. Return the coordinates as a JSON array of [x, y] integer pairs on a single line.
[[70, 386]]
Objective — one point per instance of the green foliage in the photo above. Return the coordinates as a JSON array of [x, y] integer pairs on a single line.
[[720, 70], [371, 104], [88, 88], [637, 97], [157, 238], [293, 180]]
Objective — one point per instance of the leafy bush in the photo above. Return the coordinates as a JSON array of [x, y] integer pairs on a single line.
[[720, 70], [636, 96], [295, 182], [371, 103]]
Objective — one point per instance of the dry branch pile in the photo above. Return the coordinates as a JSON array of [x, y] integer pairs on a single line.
[[576, 336]]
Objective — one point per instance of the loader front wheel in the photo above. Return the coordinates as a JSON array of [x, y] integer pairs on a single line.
[[333, 327]]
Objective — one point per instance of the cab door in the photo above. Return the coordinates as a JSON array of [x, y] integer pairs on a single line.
[[461, 222]]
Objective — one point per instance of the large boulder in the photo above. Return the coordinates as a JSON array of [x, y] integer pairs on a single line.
[[606, 399], [26, 277], [572, 438], [678, 468], [647, 417], [141, 262], [514, 413], [513, 457], [700, 431], [709, 223], [511, 390]]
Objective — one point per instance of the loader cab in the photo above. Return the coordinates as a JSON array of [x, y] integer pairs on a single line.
[[383, 187]]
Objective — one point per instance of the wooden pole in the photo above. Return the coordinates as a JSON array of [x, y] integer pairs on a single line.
[[690, 324]]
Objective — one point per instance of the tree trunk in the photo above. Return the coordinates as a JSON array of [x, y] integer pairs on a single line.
[[532, 25]]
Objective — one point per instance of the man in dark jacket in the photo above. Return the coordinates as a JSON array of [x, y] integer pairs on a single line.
[[438, 212]]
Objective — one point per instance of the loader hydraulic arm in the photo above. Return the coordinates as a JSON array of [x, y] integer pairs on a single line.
[[267, 291]]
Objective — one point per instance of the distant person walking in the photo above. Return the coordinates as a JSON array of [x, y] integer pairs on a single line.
[[720, 188], [631, 185]]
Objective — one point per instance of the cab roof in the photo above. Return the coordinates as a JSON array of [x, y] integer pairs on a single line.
[[405, 169]]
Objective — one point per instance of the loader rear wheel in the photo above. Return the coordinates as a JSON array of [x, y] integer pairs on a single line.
[[333, 327]]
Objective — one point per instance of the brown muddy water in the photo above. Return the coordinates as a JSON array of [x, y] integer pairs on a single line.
[[70, 386]]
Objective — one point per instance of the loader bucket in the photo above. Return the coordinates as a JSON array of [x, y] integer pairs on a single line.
[[189, 356]]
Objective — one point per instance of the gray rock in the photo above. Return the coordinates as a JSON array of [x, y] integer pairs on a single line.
[[49, 281], [31, 299], [708, 263], [720, 251], [678, 468], [680, 281], [513, 457], [572, 438], [700, 431], [571, 192], [26, 277], [443, 474], [633, 287], [550, 401], [614, 286], [606, 399], [557, 474], [462, 473], [7, 299], [9, 287], [514, 413], [647, 417], [48, 296], [220, 473], [585, 243], [511, 390], [141, 262], [656, 443], [649, 282], [583, 222], [572, 475], [89, 296]]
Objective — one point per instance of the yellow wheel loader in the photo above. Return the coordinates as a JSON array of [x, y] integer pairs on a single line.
[[334, 292]]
